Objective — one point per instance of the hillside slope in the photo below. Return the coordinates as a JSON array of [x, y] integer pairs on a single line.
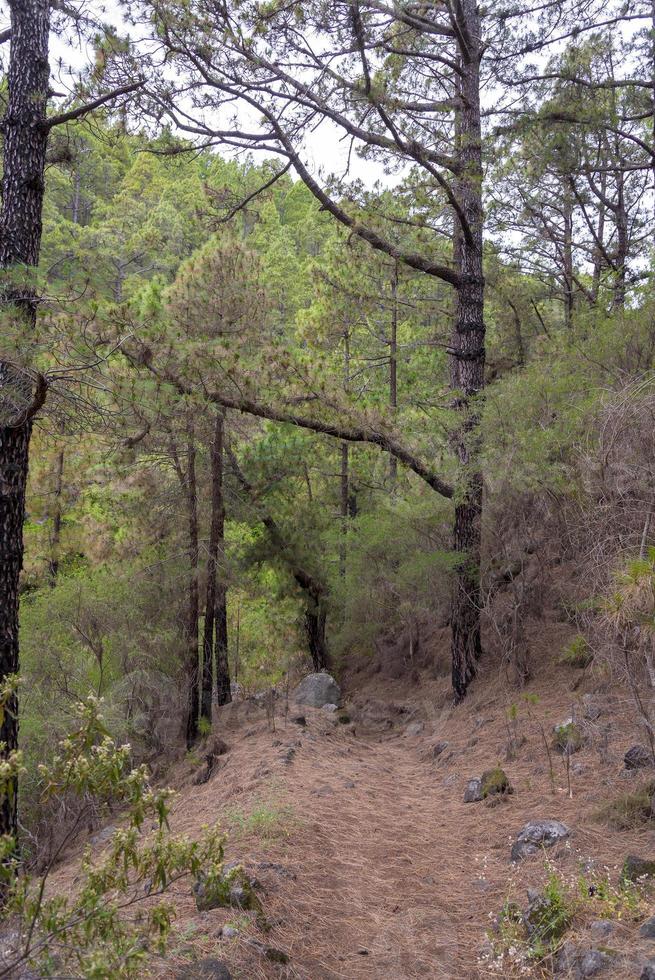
[[370, 863]]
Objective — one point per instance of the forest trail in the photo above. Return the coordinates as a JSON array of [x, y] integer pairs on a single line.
[[365, 857], [373, 863]]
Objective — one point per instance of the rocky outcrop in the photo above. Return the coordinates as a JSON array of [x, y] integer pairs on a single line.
[[538, 834], [317, 690]]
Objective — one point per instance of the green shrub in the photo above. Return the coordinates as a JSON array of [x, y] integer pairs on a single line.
[[577, 653], [95, 933]]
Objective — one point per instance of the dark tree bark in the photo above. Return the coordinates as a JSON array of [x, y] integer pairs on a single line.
[[193, 606], [25, 144], [345, 463], [56, 514], [188, 485], [467, 362], [207, 683], [393, 364], [315, 623], [223, 686], [216, 609]]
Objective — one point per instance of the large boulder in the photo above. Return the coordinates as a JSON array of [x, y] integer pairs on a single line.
[[317, 690], [537, 834]]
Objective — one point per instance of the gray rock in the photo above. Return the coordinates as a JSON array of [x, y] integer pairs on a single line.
[[473, 791], [591, 963], [537, 834], [601, 929], [330, 707], [209, 969], [648, 928], [572, 961], [228, 932], [648, 971], [565, 960], [637, 867], [591, 710], [414, 728], [438, 748], [317, 690], [638, 757]]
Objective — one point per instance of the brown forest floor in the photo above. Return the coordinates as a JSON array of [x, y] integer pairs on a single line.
[[382, 870]]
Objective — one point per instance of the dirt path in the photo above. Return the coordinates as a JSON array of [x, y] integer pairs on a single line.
[[370, 892]]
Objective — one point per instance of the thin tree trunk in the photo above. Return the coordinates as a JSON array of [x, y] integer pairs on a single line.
[[223, 686], [207, 684], [600, 235], [193, 602], [467, 365], [621, 246], [393, 364], [55, 535], [344, 506], [345, 463], [25, 144], [568, 264]]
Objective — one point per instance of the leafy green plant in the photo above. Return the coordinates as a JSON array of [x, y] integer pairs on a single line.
[[117, 913], [577, 653], [522, 937]]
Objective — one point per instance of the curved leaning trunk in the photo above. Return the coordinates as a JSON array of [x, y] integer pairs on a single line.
[[467, 363]]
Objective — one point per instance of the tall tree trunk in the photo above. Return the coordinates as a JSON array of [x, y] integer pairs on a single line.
[[622, 238], [344, 506], [345, 462], [567, 260], [207, 684], [223, 686], [193, 600], [219, 597], [25, 144], [467, 362], [56, 514], [600, 236], [393, 363]]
